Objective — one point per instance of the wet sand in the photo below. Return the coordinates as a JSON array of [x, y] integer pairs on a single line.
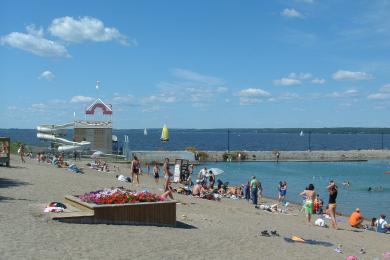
[[206, 229]]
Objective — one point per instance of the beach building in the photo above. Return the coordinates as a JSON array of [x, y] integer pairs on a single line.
[[97, 132]]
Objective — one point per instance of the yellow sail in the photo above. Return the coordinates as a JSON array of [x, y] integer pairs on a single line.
[[165, 134]]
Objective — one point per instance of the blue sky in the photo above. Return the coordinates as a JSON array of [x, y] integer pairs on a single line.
[[197, 64]]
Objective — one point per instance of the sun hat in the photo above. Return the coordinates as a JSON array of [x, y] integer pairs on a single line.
[[357, 210]]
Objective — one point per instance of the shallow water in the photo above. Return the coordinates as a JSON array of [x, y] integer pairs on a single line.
[[298, 175]]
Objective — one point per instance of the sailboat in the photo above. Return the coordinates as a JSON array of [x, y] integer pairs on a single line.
[[145, 132], [164, 134], [301, 133]]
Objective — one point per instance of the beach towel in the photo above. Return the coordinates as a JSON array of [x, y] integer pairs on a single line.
[[297, 239]]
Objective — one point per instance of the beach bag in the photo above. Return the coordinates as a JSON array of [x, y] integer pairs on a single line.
[[19, 150]]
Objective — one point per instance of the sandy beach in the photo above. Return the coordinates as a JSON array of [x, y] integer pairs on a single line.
[[206, 229]]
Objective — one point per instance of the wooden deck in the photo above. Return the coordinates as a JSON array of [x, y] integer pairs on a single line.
[[161, 213]]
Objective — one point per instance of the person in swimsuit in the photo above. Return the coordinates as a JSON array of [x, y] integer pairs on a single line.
[[167, 175], [310, 195], [282, 191], [21, 152], [211, 179], [332, 189], [156, 173], [135, 169], [197, 188]]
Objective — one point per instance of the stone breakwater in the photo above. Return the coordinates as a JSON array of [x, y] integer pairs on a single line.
[[351, 155], [212, 156]]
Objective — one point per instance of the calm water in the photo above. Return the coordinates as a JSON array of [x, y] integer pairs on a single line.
[[217, 139], [298, 175]]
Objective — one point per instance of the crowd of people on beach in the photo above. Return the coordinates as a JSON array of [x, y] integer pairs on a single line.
[[207, 186]]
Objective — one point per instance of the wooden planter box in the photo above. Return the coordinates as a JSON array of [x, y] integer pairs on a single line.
[[162, 213]]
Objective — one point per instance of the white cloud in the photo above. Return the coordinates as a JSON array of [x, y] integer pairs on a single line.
[[57, 101], [194, 76], [31, 29], [33, 42], [149, 109], [300, 76], [351, 75], [85, 29], [81, 99], [47, 75], [191, 87], [318, 81], [297, 79], [287, 82], [39, 106], [128, 100], [161, 98], [252, 96], [253, 92], [244, 101], [379, 96], [291, 13], [288, 96], [383, 93], [385, 88], [221, 89], [347, 93]]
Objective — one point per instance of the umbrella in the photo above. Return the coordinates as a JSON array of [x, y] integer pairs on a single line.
[[97, 154]]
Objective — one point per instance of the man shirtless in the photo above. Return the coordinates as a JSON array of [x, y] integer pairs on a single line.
[[196, 190]]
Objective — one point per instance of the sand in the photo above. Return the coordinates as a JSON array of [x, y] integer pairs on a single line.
[[207, 229]]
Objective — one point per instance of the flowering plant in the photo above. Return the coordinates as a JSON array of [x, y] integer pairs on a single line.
[[118, 196]]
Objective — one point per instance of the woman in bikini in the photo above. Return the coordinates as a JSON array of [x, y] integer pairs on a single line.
[[167, 175], [156, 173], [310, 195], [135, 169], [332, 189]]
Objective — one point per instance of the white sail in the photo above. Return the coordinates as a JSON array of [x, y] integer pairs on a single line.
[[301, 133], [145, 132]]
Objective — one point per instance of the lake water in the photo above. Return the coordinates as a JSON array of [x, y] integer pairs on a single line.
[[217, 139], [298, 175]]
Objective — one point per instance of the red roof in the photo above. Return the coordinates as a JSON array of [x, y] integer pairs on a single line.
[[107, 110]]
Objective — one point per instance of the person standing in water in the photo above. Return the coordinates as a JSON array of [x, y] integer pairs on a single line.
[[135, 169], [332, 189], [147, 165], [310, 195]]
